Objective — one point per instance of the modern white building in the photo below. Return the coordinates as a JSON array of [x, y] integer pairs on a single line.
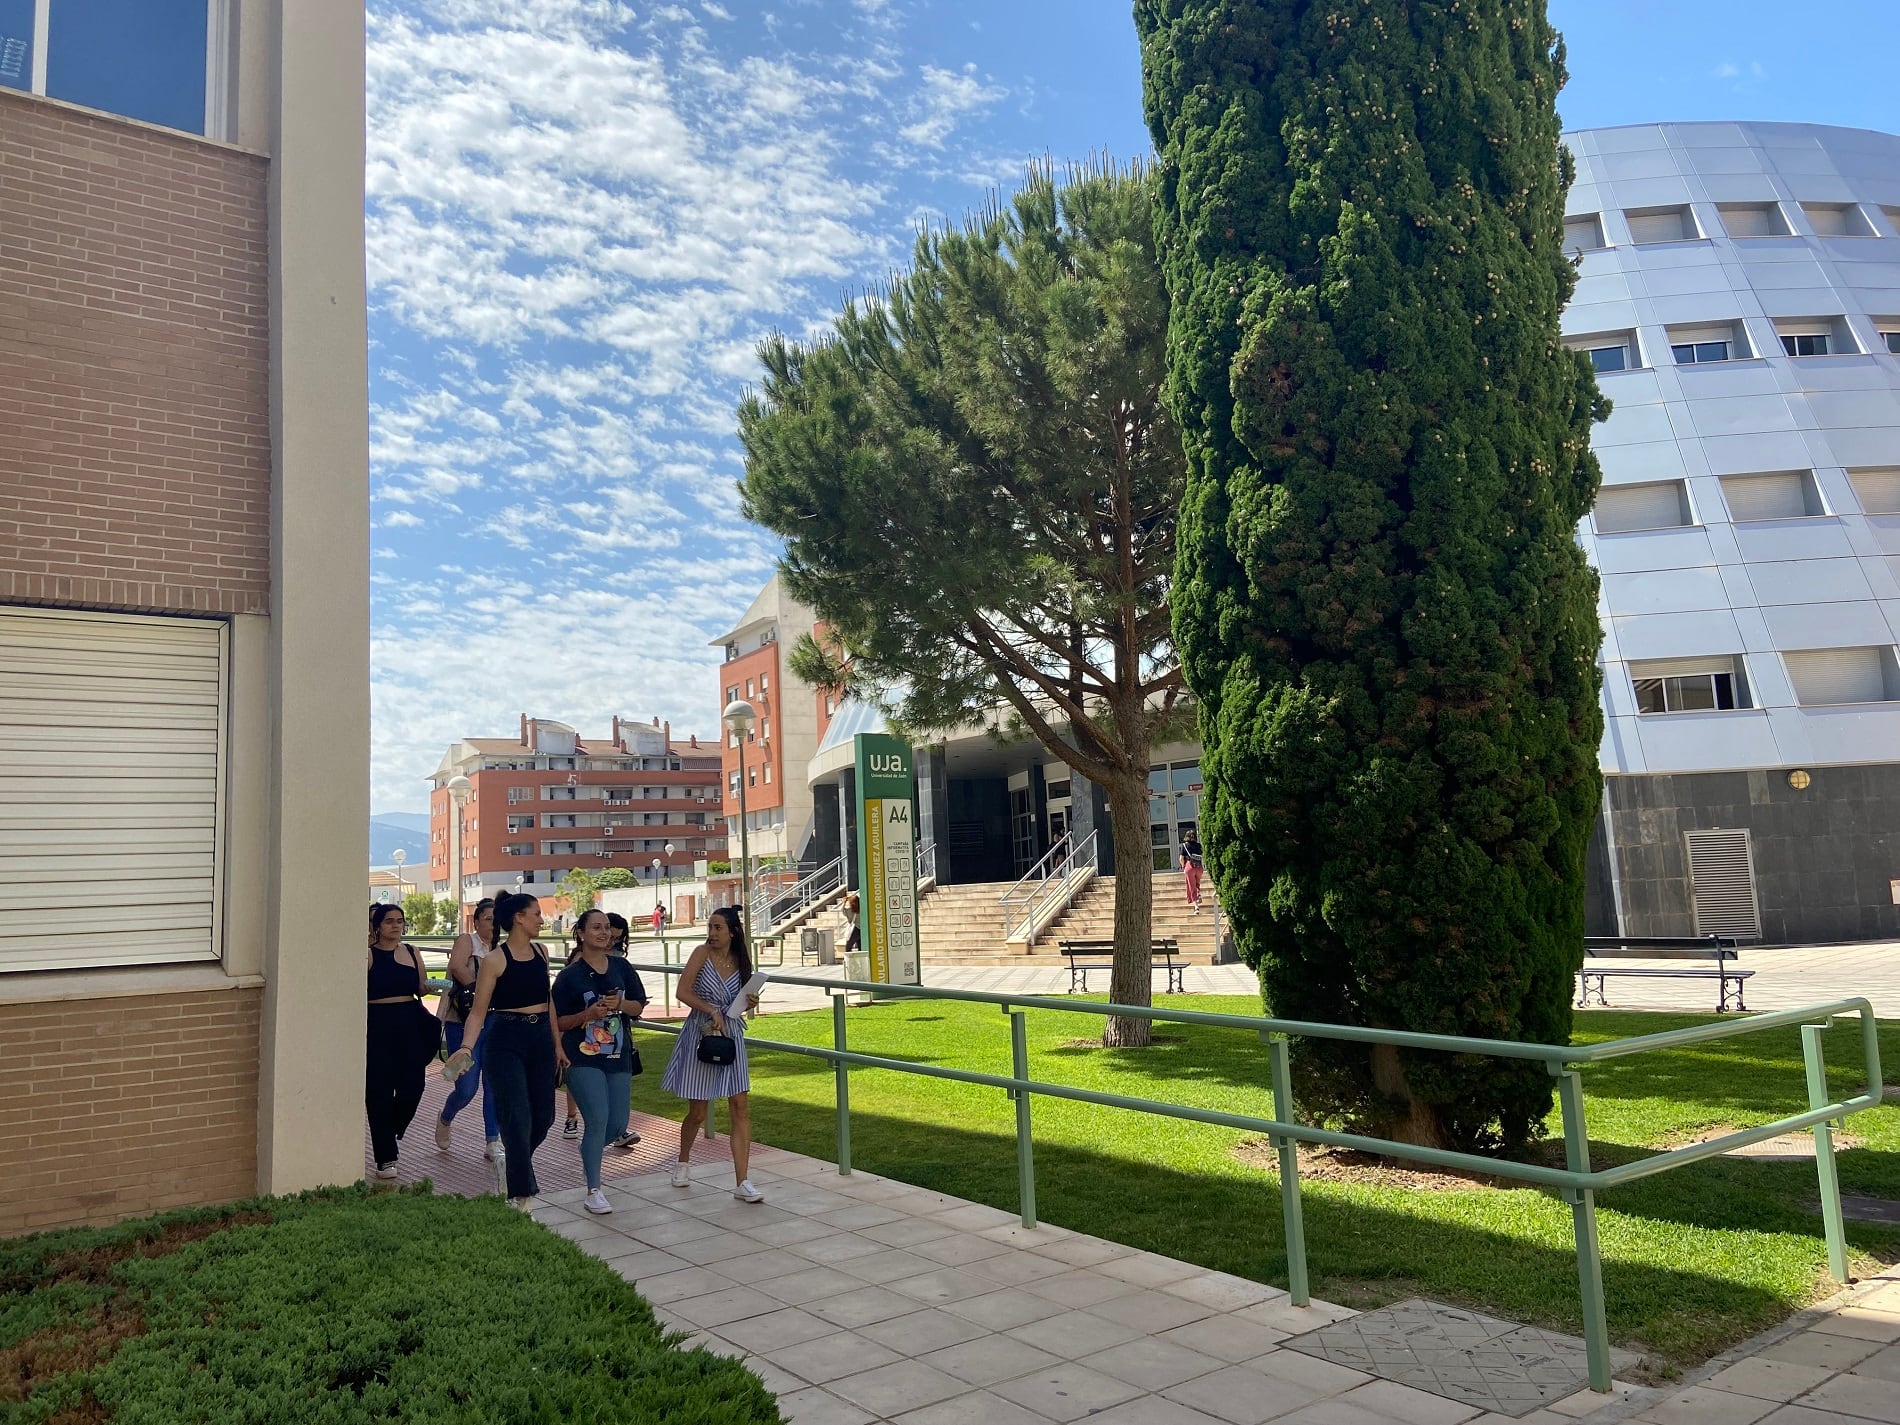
[[1739, 294]]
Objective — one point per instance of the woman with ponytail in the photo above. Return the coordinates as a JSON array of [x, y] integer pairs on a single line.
[[523, 1049]]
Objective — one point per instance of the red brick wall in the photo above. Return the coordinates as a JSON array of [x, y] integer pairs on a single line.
[[118, 1107], [134, 398]]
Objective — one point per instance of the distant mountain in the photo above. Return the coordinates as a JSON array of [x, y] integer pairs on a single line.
[[409, 820], [399, 831]]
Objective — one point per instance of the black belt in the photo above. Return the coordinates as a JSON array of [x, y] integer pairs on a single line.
[[526, 1016]]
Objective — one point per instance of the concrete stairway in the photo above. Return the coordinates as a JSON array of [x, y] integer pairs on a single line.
[[1092, 917], [963, 925]]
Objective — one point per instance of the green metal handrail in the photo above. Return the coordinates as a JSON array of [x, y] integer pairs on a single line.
[[1576, 1181]]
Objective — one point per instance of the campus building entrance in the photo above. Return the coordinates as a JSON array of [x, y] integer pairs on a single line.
[[1174, 809]]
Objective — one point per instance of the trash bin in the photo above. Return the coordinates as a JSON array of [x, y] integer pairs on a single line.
[[817, 944], [857, 966]]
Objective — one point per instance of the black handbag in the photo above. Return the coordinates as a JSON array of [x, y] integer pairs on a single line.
[[717, 1049], [428, 1029]]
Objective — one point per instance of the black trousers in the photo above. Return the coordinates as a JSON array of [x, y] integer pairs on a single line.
[[518, 1061], [392, 1082]]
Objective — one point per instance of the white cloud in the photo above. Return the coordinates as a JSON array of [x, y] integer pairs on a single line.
[[944, 99]]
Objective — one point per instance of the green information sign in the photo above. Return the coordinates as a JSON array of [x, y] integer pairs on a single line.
[[887, 857]]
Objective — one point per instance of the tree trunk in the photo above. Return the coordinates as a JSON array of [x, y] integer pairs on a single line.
[[1411, 1119], [1132, 979]]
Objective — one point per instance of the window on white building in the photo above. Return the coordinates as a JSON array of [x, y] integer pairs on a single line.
[[1785, 495], [1878, 490], [1698, 346], [1838, 220], [1673, 224], [1814, 336], [1689, 685], [1583, 233], [1891, 339], [1828, 677], [1753, 220], [1661, 505]]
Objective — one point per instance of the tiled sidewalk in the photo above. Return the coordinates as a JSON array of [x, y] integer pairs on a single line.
[[862, 1299]]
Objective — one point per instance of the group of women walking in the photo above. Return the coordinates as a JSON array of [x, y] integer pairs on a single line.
[[517, 1028]]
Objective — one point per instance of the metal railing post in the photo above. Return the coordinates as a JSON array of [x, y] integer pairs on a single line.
[[1025, 1145], [843, 1072], [1281, 1058], [1583, 1212], [1830, 1181]]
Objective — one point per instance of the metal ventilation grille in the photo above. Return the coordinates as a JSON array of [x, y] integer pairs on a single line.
[[1722, 882]]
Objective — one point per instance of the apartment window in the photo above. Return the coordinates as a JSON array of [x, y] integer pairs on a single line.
[[522, 848], [558, 848], [765, 681], [1674, 224], [1877, 490], [1838, 220], [1828, 677], [1689, 685], [159, 61], [1583, 233], [1753, 220], [831, 702], [732, 783], [111, 813], [1699, 353], [768, 774], [752, 776], [1621, 508], [1786, 495], [732, 693], [1892, 339], [1814, 336], [520, 794]]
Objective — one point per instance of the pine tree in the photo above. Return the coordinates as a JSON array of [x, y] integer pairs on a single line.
[[1379, 599]]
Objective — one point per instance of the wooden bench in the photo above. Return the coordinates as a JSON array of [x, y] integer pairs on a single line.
[[1716, 950], [1161, 951]]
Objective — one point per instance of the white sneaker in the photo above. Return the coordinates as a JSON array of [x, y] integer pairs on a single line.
[[521, 1204], [596, 1202], [383, 1173], [500, 1158], [682, 1174], [493, 1150], [745, 1192]]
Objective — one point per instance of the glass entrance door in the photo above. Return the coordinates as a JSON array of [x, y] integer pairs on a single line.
[[1174, 808]]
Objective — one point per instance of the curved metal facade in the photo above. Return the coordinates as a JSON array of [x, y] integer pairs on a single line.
[[1740, 290]]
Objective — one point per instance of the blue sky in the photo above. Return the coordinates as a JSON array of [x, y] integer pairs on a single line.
[[584, 213]]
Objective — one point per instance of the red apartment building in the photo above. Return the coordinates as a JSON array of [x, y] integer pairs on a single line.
[[549, 801]]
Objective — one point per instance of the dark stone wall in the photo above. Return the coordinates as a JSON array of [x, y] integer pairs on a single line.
[[1823, 856]]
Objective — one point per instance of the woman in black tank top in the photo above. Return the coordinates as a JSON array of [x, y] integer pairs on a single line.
[[524, 1047], [394, 1064]]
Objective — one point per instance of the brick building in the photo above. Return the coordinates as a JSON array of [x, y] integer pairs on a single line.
[[790, 714], [183, 603], [549, 801]]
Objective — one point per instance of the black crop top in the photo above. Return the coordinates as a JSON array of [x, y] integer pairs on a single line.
[[389, 977], [523, 983]]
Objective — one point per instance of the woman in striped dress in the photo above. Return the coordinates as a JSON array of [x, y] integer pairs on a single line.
[[710, 981]]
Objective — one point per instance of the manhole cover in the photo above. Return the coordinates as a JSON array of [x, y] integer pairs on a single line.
[[1462, 1355]]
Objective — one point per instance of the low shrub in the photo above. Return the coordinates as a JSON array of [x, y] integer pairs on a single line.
[[341, 1307]]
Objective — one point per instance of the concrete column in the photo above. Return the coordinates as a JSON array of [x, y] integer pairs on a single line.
[[827, 828], [933, 805], [1088, 812], [848, 824], [310, 1086]]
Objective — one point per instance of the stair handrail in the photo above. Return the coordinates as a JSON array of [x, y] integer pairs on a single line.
[[788, 903], [1024, 888], [926, 862], [1055, 893]]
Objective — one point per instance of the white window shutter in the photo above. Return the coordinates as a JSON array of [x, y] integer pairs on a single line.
[[111, 769], [1765, 497], [1877, 490], [1669, 225], [1826, 676], [1627, 507]]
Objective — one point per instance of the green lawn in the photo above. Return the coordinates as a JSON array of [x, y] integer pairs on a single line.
[[342, 1308], [1693, 1260]]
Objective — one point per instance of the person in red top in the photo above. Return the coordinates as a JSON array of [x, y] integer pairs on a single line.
[[659, 919]]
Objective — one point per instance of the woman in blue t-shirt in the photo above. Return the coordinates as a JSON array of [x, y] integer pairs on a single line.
[[596, 999]]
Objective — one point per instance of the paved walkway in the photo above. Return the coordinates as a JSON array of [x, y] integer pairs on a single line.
[[860, 1299]]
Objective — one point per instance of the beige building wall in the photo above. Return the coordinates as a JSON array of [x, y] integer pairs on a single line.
[[223, 293]]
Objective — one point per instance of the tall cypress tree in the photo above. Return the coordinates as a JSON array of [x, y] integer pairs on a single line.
[[1379, 599]]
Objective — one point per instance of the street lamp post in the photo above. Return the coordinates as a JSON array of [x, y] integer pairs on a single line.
[[666, 883], [402, 887], [739, 717], [459, 788]]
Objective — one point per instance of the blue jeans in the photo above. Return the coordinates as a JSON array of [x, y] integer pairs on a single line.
[[520, 1074], [603, 1098], [465, 1086]]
